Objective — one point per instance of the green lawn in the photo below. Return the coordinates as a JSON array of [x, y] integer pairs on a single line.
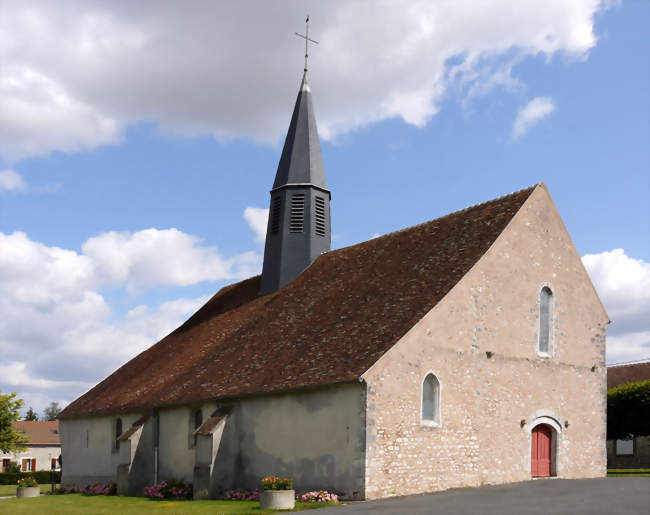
[[11, 489], [74, 504], [628, 472]]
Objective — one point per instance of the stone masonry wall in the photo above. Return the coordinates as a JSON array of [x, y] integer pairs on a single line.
[[481, 342]]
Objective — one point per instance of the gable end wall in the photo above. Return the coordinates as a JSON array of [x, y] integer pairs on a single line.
[[491, 404]]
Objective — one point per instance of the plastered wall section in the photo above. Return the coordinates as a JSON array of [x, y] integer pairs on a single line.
[[481, 343], [89, 456], [176, 451], [87, 449], [317, 437]]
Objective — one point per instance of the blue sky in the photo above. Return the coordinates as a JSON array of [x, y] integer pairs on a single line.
[[122, 196]]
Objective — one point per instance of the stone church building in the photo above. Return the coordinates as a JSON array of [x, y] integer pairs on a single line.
[[467, 350]]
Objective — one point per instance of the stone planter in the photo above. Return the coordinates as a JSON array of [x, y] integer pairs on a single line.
[[277, 499], [28, 491]]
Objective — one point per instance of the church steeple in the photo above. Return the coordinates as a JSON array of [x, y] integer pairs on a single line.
[[298, 230]]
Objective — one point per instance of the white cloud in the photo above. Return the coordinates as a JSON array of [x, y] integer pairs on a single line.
[[38, 275], [75, 74], [257, 219], [15, 374], [153, 256], [532, 113], [38, 116], [59, 335], [10, 180], [623, 284], [628, 347]]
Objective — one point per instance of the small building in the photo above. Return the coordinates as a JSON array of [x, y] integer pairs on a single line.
[[463, 351], [634, 452], [43, 448]]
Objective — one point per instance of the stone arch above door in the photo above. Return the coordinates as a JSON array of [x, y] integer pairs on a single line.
[[555, 422]]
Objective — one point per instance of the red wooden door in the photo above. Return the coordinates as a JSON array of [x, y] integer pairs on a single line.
[[540, 465]]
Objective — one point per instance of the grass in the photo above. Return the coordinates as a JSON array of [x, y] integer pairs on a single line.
[[77, 504], [628, 472], [11, 489]]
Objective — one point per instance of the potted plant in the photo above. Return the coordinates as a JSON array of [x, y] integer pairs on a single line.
[[28, 487], [277, 494]]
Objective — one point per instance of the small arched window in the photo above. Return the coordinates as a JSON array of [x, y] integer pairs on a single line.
[[118, 433], [431, 400], [545, 319], [196, 419]]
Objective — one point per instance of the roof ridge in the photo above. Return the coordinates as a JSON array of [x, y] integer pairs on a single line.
[[411, 227]]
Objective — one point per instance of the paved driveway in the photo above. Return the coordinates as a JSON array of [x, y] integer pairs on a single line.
[[607, 496]]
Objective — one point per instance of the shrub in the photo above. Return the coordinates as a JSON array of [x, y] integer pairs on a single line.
[[171, 489], [319, 496], [243, 495], [277, 483], [27, 481], [42, 477], [99, 489], [13, 467]]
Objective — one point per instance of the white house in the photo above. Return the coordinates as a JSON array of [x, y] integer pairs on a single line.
[[43, 448]]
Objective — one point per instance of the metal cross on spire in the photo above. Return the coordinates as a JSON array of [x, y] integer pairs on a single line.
[[307, 40]]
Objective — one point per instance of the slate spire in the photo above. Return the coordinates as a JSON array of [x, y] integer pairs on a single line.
[[298, 230]]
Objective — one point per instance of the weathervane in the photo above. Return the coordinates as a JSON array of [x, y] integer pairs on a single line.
[[307, 40]]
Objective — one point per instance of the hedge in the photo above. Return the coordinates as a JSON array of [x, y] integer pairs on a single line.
[[628, 410], [42, 477]]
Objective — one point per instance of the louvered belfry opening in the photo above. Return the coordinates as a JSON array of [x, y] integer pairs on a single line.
[[298, 230], [319, 214], [297, 221], [275, 215]]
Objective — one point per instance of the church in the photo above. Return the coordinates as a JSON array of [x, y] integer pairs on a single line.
[[463, 351]]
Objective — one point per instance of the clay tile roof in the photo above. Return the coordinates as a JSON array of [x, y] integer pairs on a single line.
[[208, 426], [327, 326], [627, 373], [39, 433]]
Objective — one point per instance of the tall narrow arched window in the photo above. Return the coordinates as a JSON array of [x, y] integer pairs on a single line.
[[118, 433], [545, 319], [431, 400]]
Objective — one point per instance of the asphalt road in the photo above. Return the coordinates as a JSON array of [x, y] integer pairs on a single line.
[[607, 496]]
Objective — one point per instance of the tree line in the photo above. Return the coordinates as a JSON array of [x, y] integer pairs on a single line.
[[49, 414]]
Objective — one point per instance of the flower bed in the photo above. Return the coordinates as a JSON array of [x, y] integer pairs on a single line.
[[319, 496], [243, 495], [98, 489], [171, 489]]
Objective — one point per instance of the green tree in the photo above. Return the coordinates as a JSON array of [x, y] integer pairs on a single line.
[[52, 411], [10, 439], [31, 415], [628, 410]]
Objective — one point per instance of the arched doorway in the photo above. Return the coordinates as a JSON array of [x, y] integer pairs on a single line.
[[541, 455]]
